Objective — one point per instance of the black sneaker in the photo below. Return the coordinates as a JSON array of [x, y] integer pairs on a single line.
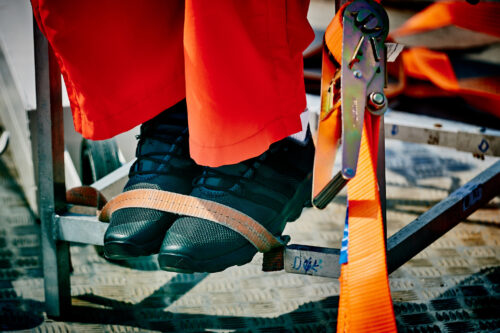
[[271, 188], [163, 163]]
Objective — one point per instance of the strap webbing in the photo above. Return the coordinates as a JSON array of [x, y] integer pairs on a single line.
[[482, 17], [482, 90], [85, 196], [181, 204], [365, 301]]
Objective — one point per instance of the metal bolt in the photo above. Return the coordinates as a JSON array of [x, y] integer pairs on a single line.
[[377, 98], [377, 103], [358, 74], [348, 172]]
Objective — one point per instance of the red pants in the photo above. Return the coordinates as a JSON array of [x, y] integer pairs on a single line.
[[238, 63]]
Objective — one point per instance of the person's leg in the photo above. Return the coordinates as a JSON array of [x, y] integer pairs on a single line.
[[122, 63], [239, 104], [121, 60], [244, 75], [245, 92]]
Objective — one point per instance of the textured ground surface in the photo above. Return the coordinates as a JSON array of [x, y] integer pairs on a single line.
[[453, 286]]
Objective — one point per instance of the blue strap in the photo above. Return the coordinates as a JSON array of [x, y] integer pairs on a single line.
[[343, 249]]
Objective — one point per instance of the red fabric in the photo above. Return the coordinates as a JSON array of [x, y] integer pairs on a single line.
[[238, 63]]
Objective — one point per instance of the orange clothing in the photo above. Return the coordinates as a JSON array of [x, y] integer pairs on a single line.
[[237, 63]]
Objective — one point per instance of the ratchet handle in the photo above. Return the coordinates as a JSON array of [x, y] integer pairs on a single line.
[[326, 195]]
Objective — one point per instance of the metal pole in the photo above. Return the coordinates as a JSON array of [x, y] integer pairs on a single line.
[[48, 113], [434, 223], [57, 122]]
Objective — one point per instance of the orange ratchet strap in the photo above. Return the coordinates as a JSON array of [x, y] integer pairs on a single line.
[[481, 90], [365, 301], [482, 17]]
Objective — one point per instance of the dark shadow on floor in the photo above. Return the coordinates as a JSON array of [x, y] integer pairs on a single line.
[[472, 305]]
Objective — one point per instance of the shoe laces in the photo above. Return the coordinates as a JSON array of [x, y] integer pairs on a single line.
[[170, 143], [232, 178]]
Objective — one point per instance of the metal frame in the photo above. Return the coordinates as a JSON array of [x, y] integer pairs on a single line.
[[50, 168], [477, 140], [60, 227], [411, 239]]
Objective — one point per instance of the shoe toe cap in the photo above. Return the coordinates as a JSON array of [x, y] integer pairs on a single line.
[[201, 239], [130, 234]]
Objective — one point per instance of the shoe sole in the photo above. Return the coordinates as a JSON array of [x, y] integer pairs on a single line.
[[175, 262], [121, 250]]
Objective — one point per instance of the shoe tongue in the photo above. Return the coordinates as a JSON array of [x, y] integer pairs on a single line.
[[158, 136], [168, 125], [158, 140]]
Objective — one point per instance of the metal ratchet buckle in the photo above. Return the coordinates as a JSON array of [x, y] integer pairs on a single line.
[[362, 81]]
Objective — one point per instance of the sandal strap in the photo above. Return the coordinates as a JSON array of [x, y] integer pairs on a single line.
[[180, 204]]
